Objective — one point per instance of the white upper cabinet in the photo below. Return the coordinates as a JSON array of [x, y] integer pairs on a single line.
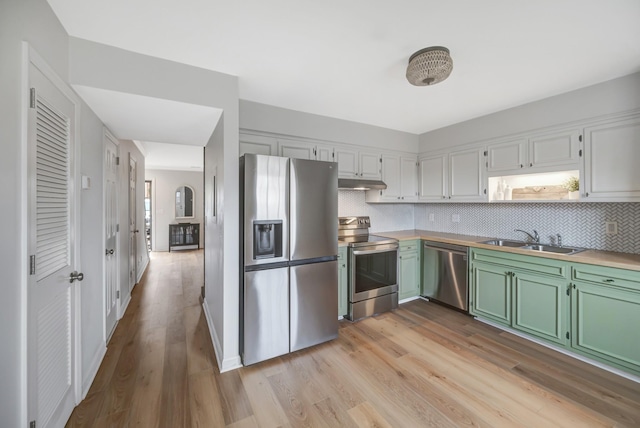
[[465, 175], [612, 162], [432, 181], [557, 149], [370, 166], [324, 153], [408, 179], [296, 150], [347, 163], [400, 174], [507, 156], [354, 164], [258, 144], [540, 153]]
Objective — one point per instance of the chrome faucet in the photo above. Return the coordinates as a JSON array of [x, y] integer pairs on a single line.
[[535, 237]]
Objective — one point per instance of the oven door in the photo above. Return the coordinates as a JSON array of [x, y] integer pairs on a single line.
[[373, 271]]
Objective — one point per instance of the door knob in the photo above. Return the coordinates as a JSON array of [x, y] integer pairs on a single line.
[[75, 275]]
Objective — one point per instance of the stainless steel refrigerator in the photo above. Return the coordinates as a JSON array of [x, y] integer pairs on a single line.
[[289, 247]]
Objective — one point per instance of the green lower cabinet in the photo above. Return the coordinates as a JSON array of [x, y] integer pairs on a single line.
[[540, 306], [491, 293], [343, 281], [606, 324], [409, 270]]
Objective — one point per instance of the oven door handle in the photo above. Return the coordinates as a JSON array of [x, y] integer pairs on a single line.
[[364, 252]]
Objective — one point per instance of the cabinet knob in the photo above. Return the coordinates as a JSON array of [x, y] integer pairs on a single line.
[[521, 166], [444, 197], [449, 197], [531, 164]]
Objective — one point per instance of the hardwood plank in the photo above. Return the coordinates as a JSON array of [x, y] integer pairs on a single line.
[[267, 409], [204, 401], [366, 416], [233, 397], [174, 410]]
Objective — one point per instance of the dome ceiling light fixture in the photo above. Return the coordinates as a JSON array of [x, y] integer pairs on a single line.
[[429, 66]]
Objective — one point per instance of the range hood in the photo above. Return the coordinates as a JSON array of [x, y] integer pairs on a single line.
[[360, 184]]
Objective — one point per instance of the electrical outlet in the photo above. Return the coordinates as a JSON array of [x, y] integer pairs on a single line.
[[432, 217], [455, 218], [611, 227]]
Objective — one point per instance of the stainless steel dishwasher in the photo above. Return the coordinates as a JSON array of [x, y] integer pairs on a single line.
[[444, 274]]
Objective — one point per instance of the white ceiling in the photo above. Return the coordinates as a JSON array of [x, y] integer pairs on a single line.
[[172, 156], [348, 59]]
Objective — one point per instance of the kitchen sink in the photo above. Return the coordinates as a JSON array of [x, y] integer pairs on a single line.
[[552, 249], [533, 247], [504, 243]]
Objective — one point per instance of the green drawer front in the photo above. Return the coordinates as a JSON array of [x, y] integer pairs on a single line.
[[409, 246], [525, 263], [601, 275]]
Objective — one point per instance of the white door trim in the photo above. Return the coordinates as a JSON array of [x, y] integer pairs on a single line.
[[30, 56], [109, 135]]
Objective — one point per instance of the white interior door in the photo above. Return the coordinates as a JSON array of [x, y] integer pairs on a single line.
[[51, 367], [133, 230], [111, 233]]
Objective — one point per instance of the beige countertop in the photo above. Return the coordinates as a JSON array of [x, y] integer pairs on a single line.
[[594, 257]]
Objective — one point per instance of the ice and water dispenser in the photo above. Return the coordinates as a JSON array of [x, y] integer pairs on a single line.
[[267, 239]]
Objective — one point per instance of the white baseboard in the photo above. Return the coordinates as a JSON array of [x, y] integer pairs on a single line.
[[563, 351], [93, 370], [408, 299], [124, 306], [144, 267], [226, 364]]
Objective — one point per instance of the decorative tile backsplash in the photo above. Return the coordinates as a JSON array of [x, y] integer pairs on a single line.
[[580, 224], [383, 216]]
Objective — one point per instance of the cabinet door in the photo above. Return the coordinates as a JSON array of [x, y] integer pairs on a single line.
[[257, 144], [507, 156], [343, 304], [370, 166], [347, 163], [540, 306], [324, 153], [465, 175], [612, 152], [408, 179], [604, 323], [432, 178], [297, 150], [391, 176], [409, 280], [491, 293], [555, 149]]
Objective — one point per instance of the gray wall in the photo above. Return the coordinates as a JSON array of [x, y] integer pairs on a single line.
[[34, 21], [266, 118], [163, 191], [614, 96]]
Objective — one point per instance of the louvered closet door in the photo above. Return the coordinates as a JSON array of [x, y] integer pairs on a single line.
[[51, 378]]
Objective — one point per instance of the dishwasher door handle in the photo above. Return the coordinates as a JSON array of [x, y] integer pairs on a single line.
[[446, 250]]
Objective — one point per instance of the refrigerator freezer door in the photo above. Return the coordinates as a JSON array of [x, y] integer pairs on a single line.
[[266, 314], [314, 209], [314, 304], [265, 189]]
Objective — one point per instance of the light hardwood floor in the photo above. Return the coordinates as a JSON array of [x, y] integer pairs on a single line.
[[421, 365]]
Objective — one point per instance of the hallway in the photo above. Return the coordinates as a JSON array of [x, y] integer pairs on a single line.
[[422, 365]]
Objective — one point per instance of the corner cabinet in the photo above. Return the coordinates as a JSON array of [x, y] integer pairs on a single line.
[[612, 153], [409, 271], [400, 174], [343, 282], [453, 177]]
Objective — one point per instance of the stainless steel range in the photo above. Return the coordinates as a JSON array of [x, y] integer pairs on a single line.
[[373, 268]]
